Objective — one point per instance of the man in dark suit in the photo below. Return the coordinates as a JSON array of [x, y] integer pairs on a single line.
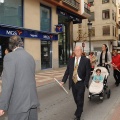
[[78, 70], [19, 94]]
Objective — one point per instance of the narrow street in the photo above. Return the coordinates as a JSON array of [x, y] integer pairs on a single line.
[[57, 105]]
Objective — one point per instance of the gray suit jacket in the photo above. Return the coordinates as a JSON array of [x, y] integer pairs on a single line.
[[19, 92]]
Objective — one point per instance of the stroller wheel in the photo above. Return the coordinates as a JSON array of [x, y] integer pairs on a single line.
[[89, 97], [108, 94]]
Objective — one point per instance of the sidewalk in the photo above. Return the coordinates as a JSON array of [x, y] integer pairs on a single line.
[[47, 76]]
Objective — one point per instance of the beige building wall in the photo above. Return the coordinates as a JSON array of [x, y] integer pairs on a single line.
[[98, 23], [32, 21]]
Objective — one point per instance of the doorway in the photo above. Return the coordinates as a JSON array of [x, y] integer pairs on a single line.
[[46, 54], [64, 41]]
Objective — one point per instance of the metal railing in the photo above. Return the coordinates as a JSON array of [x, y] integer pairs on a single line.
[[72, 3]]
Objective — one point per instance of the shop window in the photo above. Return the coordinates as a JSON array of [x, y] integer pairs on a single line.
[[91, 2], [106, 30], [45, 16], [105, 1], [92, 17], [106, 14], [11, 12]]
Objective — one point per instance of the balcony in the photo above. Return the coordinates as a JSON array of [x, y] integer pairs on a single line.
[[72, 3], [87, 8]]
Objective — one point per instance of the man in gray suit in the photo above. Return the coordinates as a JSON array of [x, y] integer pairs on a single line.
[[19, 94]]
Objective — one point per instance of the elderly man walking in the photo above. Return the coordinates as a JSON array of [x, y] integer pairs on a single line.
[[78, 70]]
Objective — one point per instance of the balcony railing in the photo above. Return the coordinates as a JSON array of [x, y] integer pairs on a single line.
[[72, 3], [87, 8]]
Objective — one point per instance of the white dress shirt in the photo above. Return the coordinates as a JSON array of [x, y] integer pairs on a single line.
[[79, 79]]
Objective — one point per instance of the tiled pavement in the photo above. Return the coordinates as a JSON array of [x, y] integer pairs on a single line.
[[47, 76]]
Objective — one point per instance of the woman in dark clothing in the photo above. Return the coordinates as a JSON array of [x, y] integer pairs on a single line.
[[104, 59]]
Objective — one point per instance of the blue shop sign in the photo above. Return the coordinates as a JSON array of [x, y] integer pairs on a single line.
[[26, 33], [59, 28]]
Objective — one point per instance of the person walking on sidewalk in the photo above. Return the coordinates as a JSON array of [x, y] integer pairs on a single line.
[[19, 95], [116, 67], [78, 70]]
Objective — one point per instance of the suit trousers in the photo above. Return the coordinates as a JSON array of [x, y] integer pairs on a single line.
[[116, 75], [29, 115], [78, 91]]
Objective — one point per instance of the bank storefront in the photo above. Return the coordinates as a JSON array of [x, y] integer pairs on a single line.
[[37, 43]]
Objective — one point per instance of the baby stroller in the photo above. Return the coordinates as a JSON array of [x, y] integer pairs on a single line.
[[100, 89]]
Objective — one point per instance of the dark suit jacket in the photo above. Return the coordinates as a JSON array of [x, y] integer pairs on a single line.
[[84, 70], [19, 92]]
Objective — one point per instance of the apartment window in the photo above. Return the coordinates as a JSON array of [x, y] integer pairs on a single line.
[[113, 14], [105, 1], [114, 1], [11, 13], [106, 30], [93, 32], [92, 17], [45, 15], [91, 2], [106, 14], [119, 36], [119, 11], [113, 31]]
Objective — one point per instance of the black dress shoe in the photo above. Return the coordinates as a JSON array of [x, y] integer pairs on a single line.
[[117, 84], [77, 118]]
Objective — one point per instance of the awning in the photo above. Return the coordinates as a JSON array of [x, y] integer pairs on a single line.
[[7, 30]]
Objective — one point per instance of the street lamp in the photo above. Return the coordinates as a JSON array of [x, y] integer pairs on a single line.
[[89, 30]]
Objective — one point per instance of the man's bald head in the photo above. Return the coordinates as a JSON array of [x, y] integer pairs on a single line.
[[78, 51]]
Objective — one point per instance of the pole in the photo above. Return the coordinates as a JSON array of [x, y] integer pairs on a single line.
[[89, 40]]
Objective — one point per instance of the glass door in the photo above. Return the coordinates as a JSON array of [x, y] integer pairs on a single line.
[[64, 41], [46, 54]]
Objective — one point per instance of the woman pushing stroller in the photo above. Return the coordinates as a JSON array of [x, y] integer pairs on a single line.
[[104, 59]]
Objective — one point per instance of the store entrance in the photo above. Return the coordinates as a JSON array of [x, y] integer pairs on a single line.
[[3, 45], [46, 54], [64, 41]]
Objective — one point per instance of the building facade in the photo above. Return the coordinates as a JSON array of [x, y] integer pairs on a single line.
[[104, 25], [117, 45], [46, 27]]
